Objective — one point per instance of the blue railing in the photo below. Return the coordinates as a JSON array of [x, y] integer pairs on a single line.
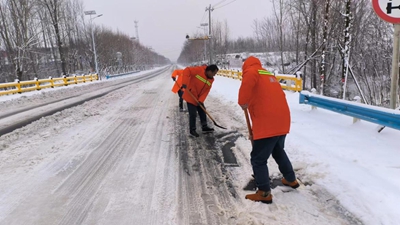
[[373, 114]]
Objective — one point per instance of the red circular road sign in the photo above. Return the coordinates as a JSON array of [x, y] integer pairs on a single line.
[[388, 10]]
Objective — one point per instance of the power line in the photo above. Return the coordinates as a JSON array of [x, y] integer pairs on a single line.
[[218, 3], [225, 4], [204, 15]]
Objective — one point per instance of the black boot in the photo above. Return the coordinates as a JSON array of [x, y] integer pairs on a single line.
[[207, 129], [194, 133]]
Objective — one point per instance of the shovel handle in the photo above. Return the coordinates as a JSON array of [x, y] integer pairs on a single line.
[[202, 107], [246, 114]]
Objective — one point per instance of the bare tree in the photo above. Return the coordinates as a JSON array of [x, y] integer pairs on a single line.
[[54, 9], [220, 39], [324, 43], [47, 37], [19, 33], [279, 13], [346, 41]]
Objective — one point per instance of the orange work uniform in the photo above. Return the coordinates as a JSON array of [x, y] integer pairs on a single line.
[[197, 83], [266, 101], [178, 81]]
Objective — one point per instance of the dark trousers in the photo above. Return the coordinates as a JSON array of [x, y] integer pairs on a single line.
[[260, 153], [193, 110], [180, 93]]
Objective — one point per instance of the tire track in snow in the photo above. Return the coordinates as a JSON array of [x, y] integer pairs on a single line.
[[150, 169], [206, 197], [75, 195], [91, 174], [113, 147]]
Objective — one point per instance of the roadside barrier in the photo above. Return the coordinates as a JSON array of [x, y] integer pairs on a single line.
[[121, 74], [38, 84], [287, 81], [373, 114]]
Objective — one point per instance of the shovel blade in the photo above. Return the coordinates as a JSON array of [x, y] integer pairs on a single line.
[[219, 126]]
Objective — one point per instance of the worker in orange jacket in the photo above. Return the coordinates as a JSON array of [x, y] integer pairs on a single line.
[[177, 86], [261, 93], [198, 81]]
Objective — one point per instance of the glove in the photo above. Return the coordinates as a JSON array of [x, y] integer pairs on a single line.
[[173, 79], [183, 86]]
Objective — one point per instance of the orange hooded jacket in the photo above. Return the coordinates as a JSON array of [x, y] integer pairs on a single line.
[[266, 101], [176, 87], [197, 83]]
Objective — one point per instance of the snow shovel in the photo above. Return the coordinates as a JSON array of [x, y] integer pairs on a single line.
[[202, 107], [246, 114], [251, 185]]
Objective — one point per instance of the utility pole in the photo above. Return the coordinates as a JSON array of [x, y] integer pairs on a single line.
[[137, 31], [395, 67], [209, 9]]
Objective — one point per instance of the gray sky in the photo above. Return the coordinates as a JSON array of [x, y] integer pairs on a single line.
[[163, 24]]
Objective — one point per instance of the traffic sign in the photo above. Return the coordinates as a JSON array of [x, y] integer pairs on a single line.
[[388, 10]]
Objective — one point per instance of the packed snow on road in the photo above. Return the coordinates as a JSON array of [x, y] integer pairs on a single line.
[[127, 158]]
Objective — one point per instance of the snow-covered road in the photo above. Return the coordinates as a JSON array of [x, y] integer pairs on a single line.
[[126, 158]]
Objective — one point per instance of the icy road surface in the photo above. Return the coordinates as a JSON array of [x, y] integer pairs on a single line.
[[126, 158]]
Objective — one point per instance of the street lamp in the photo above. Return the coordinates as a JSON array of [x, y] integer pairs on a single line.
[[90, 13]]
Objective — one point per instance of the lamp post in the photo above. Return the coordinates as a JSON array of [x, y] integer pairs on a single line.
[[90, 13]]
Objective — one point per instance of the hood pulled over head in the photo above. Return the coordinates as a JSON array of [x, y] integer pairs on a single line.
[[251, 61]]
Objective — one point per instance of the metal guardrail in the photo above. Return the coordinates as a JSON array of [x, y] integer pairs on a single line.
[[121, 74], [38, 84], [373, 114], [292, 82]]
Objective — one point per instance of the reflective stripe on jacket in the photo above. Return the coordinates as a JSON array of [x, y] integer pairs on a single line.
[[266, 100]]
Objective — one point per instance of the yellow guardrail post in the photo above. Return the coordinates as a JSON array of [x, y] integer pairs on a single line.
[[75, 79], [37, 84], [18, 86], [51, 82], [65, 80]]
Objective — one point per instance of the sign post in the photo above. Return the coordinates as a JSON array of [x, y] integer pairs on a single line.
[[389, 11]]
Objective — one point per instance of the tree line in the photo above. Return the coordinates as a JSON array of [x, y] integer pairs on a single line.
[[42, 38], [330, 42]]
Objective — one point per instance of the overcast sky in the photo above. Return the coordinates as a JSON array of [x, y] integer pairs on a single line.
[[163, 24]]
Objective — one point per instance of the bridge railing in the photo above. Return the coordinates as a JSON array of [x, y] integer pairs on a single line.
[[38, 84], [287, 81], [374, 114]]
